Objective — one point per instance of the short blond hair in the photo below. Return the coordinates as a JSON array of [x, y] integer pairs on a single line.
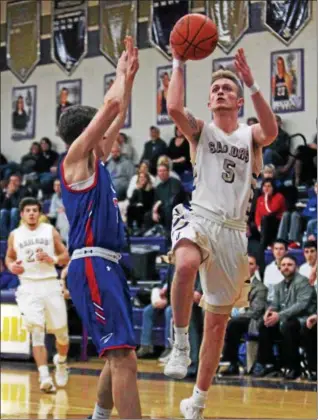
[[228, 74]]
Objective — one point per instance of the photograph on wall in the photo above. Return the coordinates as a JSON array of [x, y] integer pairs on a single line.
[[227, 63], [108, 81], [287, 81], [23, 112], [68, 93], [163, 80]]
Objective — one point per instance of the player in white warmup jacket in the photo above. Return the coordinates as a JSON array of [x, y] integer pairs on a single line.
[[211, 235], [33, 251]]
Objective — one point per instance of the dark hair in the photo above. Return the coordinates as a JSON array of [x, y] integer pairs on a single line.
[[291, 257], [35, 143], [310, 244], [254, 257], [47, 141], [73, 122], [253, 119], [269, 181], [281, 241], [153, 127], [124, 135], [29, 201]]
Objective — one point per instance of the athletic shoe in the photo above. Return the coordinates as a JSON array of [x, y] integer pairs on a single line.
[[164, 357], [177, 365], [61, 372], [191, 411], [47, 385]]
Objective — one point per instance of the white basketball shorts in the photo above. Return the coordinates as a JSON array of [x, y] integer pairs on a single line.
[[224, 270], [42, 303]]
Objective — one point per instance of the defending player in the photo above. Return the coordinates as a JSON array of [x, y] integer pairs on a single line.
[[96, 281], [33, 251], [211, 236]]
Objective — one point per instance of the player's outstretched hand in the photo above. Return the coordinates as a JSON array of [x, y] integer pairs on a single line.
[[16, 268], [132, 58], [128, 62], [243, 68]]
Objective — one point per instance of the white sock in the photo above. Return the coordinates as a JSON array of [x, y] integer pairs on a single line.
[[181, 336], [44, 371], [61, 359], [199, 397], [101, 413]]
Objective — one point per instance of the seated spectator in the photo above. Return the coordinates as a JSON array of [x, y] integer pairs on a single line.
[[7, 279], [277, 153], [251, 121], [127, 150], [153, 149], [168, 194], [159, 303], [165, 160], [9, 204], [247, 320], [140, 203], [310, 253], [57, 212], [310, 342], [291, 225], [179, 152], [294, 300], [29, 162], [143, 168], [306, 163], [272, 274], [270, 207], [121, 170], [7, 168]]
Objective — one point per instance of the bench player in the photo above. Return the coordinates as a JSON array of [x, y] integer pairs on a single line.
[[96, 281], [211, 236], [33, 251]]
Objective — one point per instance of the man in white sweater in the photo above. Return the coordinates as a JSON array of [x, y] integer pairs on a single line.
[[310, 253], [272, 274]]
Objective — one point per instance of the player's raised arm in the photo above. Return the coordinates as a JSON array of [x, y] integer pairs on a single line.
[[130, 66], [266, 131], [186, 122]]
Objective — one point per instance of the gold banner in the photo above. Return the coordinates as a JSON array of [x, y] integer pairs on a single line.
[[117, 19], [232, 20], [23, 37]]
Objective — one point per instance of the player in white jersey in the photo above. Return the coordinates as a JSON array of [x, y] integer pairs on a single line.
[[211, 235], [33, 251]]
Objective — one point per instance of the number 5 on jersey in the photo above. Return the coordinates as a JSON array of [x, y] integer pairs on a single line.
[[228, 175]]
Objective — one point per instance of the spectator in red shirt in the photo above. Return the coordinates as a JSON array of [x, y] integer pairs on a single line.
[[270, 207]]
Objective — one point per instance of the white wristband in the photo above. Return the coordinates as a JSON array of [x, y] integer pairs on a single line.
[[177, 64], [254, 88]]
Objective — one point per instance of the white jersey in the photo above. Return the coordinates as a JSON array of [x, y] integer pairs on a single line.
[[225, 172], [27, 243]]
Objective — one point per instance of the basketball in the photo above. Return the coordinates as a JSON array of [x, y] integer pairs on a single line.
[[194, 37]]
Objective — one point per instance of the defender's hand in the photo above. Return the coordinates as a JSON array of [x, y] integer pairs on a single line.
[[132, 58], [243, 68]]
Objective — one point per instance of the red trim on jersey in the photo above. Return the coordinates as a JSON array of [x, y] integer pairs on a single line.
[[92, 282], [124, 346], [84, 189]]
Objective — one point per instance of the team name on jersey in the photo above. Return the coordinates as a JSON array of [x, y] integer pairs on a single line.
[[33, 241], [239, 153]]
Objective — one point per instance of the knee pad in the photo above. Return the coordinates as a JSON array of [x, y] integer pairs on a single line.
[[38, 336], [62, 337]]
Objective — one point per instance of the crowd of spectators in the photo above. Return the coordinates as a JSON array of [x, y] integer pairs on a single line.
[[282, 311]]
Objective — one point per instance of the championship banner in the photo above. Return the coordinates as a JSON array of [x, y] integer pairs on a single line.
[[163, 16], [232, 20], [287, 81], [23, 37], [69, 37], [117, 20], [286, 18]]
